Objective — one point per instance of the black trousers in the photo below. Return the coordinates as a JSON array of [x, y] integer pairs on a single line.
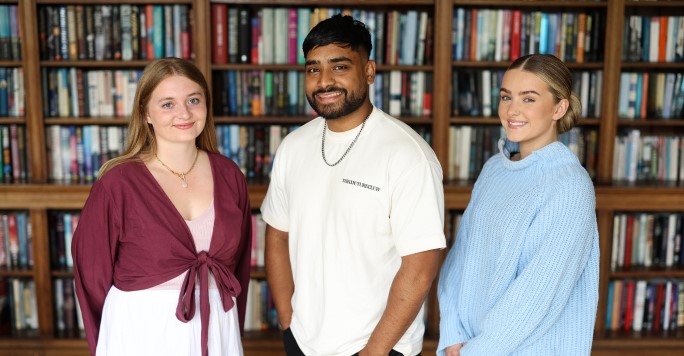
[[292, 349]]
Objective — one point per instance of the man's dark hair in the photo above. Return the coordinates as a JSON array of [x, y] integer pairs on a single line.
[[340, 30]]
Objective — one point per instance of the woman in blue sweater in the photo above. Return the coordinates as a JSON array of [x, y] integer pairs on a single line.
[[522, 278]]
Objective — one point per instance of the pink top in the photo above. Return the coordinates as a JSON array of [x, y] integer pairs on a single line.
[[201, 229]]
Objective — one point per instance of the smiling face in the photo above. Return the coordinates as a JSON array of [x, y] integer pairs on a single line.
[[528, 111], [177, 110], [337, 80]]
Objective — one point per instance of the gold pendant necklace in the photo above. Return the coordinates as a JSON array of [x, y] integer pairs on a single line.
[[181, 175]]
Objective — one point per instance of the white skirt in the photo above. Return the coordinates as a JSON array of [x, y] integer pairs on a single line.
[[144, 323]]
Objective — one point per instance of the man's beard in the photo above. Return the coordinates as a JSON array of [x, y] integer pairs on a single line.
[[350, 104]]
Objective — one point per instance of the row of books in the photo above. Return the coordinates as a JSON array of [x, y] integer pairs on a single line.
[[651, 95], [274, 35], [252, 147], [119, 32], [645, 305], [260, 313], [653, 39], [76, 153], [647, 240], [18, 308], [281, 93], [10, 33], [480, 34], [648, 157], [62, 225], [75, 92], [13, 160], [257, 93], [12, 100], [68, 318], [403, 94], [16, 242], [471, 146], [476, 93]]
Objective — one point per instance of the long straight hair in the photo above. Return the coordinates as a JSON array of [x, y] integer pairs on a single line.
[[141, 138]]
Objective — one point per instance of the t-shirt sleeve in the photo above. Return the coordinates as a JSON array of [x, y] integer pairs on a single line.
[[94, 249], [417, 212], [274, 209]]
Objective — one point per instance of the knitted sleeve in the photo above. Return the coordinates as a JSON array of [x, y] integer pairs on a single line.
[[451, 330], [563, 233]]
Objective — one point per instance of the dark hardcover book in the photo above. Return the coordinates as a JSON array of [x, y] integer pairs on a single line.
[[259, 150], [89, 32], [217, 87], [79, 18], [69, 307], [56, 35], [60, 248], [63, 32], [23, 164], [15, 38], [43, 31], [186, 32], [5, 41], [126, 36], [244, 40], [379, 45], [135, 32], [251, 151], [107, 45], [98, 24], [233, 34], [117, 33]]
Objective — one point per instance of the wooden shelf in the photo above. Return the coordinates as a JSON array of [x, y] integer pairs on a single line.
[[646, 273]]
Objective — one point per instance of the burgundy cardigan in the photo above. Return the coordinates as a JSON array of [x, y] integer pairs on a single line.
[[131, 236]]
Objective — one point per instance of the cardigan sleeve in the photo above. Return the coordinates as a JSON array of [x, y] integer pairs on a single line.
[[451, 329], [566, 231], [94, 249], [243, 266]]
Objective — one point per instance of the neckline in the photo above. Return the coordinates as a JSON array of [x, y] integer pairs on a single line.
[[169, 203]]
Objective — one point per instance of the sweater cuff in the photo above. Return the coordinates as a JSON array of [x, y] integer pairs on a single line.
[[483, 346], [449, 334]]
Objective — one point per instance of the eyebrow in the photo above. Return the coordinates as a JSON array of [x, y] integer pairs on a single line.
[[331, 60], [172, 98], [504, 90]]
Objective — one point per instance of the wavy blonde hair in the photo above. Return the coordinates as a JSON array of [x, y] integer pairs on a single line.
[[141, 139]]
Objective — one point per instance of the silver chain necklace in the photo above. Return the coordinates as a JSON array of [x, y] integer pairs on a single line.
[[325, 126]]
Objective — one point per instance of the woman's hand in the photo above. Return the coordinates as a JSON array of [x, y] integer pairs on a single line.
[[454, 350]]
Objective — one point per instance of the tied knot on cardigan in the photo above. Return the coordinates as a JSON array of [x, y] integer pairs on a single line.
[[226, 282]]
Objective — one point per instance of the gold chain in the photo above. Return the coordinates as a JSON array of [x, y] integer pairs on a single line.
[[182, 175]]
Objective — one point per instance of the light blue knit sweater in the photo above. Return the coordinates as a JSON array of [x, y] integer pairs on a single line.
[[522, 278]]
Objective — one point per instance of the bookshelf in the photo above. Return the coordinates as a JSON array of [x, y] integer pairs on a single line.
[[39, 196]]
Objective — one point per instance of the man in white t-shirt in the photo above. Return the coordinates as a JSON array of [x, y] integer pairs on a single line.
[[355, 212]]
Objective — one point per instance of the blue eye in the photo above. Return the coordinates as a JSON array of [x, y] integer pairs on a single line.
[[194, 101], [167, 106], [505, 98]]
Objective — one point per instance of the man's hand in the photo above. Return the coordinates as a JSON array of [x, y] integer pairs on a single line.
[[454, 350]]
